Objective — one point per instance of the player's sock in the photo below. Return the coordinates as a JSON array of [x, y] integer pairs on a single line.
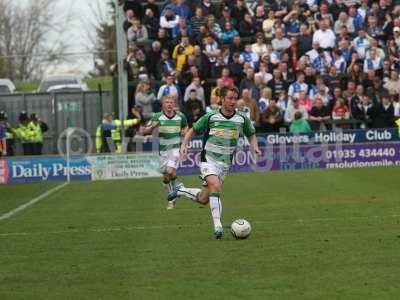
[[190, 193], [174, 182], [216, 209], [168, 186]]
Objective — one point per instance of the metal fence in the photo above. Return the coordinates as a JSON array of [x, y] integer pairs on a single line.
[[59, 111]]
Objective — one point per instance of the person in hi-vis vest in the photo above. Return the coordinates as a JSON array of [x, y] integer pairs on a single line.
[[111, 129]]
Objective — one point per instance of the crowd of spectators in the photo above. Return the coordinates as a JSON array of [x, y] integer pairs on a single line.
[[303, 64]]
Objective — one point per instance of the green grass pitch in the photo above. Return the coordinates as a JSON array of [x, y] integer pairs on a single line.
[[317, 234]]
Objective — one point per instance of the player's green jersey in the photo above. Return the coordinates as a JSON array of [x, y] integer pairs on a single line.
[[169, 129], [221, 135]]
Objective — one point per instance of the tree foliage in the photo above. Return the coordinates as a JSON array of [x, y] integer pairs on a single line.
[[30, 38]]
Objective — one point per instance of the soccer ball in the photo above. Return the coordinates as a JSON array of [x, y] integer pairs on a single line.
[[240, 229]]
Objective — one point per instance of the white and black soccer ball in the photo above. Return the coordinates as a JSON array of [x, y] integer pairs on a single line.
[[240, 229]]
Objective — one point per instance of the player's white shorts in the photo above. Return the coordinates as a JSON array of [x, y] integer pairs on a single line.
[[212, 168], [169, 159]]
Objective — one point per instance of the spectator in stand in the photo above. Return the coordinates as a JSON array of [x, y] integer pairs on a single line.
[[226, 17], [339, 62], [373, 62], [236, 68], [359, 15], [291, 110], [259, 47], [299, 85], [266, 96], [252, 104], [268, 25], [169, 20], [165, 40], [354, 72], [198, 20], [344, 21], [361, 43], [393, 84], [166, 66], [181, 9], [247, 27], [304, 40], [263, 71], [239, 10], [228, 33], [277, 84], [216, 91], [182, 29], [145, 99], [396, 106], [135, 6], [294, 53], [153, 60], [364, 112], [280, 7], [280, 43], [181, 51], [211, 49], [322, 62], [242, 108], [151, 4], [169, 88], [283, 102], [134, 60], [214, 104], [374, 30], [208, 8], [151, 22], [129, 18], [323, 14], [259, 17], [248, 81], [213, 26], [299, 124], [396, 36], [193, 108], [292, 23], [137, 32], [384, 113], [271, 119], [324, 36], [249, 56], [287, 74], [319, 116], [341, 112], [196, 85], [304, 101]]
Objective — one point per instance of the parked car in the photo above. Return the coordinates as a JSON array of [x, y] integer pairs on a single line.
[[7, 86], [58, 83]]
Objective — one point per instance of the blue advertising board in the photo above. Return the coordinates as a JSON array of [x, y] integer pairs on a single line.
[[47, 168], [356, 148], [319, 137]]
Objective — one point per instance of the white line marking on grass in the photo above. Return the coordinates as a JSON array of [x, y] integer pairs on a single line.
[[32, 202], [176, 226]]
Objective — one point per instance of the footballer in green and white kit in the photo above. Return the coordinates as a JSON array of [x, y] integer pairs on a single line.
[[221, 130], [170, 125]]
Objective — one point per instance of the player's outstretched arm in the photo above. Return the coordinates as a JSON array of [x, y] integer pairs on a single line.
[[254, 144], [188, 136], [149, 129]]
